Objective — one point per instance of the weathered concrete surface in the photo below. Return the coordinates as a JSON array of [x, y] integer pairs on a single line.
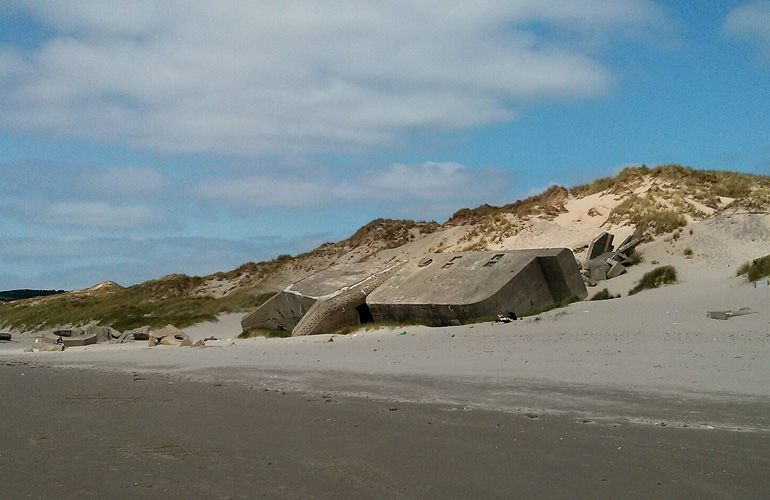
[[441, 289], [342, 308], [616, 269], [75, 337], [462, 286], [169, 335], [285, 309], [629, 244]]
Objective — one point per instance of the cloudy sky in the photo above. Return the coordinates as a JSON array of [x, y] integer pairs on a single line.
[[144, 138]]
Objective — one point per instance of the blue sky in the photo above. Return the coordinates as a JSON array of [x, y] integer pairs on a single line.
[[147, 138]]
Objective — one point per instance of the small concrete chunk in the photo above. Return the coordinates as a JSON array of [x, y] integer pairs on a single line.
[[630, 243], [616, 270], [598, 270], [141, 333], [169, 335]]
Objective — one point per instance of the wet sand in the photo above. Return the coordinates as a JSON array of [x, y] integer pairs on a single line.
[[86, 433]]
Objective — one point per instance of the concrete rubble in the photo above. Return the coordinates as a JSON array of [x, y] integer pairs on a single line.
[[171, 336], [58, 340], [603, 262], [725, 315]]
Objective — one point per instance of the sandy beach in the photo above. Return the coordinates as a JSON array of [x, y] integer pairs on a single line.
[[640, 397], [80, 434]]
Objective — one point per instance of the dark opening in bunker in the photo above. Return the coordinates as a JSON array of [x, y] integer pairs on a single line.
[[494, 260], [364, 314]]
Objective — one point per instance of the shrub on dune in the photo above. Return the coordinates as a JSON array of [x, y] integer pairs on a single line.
[[656, 278]]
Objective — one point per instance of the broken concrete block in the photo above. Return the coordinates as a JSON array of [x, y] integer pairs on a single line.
[[623, 259], [75, 337], [601, 244], [630, 243], [170, 335], [598, 270], [141, 333], [729, 314], [616, 270], [177, 340], [103, 333]]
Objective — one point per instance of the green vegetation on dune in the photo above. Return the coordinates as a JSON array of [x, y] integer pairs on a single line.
[[648, 216], [155, 303], [393, 233], [604, 295], [702, 185], [656, 278], [673, 192], [660, 209], [756, 269], [549, 203]]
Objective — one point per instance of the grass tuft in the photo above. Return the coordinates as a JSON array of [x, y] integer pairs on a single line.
[[656, 278], [756, 269], [604, 295]]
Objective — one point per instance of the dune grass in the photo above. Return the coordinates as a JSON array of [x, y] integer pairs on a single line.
[[656, 278], [604, 295], [154, 304], [756, 269]]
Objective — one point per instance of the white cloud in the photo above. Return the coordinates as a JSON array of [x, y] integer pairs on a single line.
[[124, 182], [750, 23], [426, 190], [265, 191], [279, 77], [61, 181], [93, 215]]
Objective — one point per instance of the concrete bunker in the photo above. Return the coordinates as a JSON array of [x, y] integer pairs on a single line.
[[441, 289]]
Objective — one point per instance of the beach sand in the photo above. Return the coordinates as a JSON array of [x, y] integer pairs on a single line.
[[83, 434], [639, 397]]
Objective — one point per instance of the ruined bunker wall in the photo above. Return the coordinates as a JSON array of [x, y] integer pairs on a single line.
[[525, 290], [329, 315], [338, 311], [562, 274], [282, 312]]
